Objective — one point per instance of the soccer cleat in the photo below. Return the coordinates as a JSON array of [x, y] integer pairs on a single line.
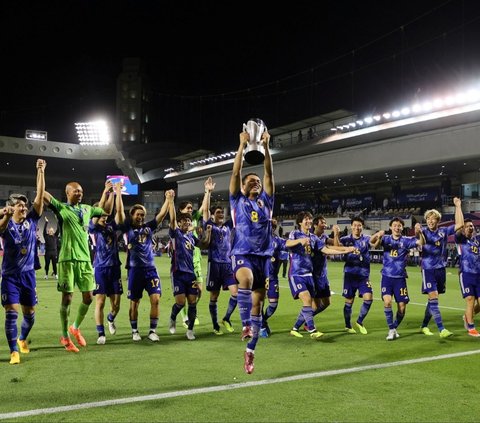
[[68, 344], [78, 336], [190, 336], [391, 335], [473, 332], [361, 328], [136, 336], [15, 357], [46, 276], [263, 333], [465, 323], [172, 327], [426, 331], [305, 327], [296, 333], [228, 326], [247, 333], [218, 331], [112, 328], [316, 334], [445, 333], [101, 340], [23, 346], [248, 365], [153, 336], [350, 330]]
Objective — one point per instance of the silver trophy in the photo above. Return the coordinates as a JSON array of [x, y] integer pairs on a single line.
[[255, 152]]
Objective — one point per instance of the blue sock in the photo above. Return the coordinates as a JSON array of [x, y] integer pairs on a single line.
[[101, 330], [176, 308], [133, 324], [11, 330], [307, 313], [27, 324], [272, 307], [153, 323], [364, 311], [212, 307], [347, 314], [433, 306], [398, 319], [389, 317], [427, 316], [232, 305], [192, 314], [256, 324], [245, 305]]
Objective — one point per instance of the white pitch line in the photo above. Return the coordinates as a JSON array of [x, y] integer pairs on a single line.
[[220, 388]]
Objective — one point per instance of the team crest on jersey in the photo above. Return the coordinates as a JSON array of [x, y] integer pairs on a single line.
[[240, 262], [260, 203]]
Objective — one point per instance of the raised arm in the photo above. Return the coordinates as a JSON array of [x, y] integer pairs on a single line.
[[170, 204], [7, 213], [376, 239], [458, 214], [38, 201], [336, 236], [120, 209], [268, 182], [170, 194], [106, 200], [205, 241], [419, 234], [205, 207], [236, 178]]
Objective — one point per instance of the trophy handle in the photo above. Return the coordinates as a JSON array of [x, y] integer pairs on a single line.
[[244, 127]]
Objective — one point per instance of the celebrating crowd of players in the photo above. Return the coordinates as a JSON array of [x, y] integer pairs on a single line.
[[244, 257]]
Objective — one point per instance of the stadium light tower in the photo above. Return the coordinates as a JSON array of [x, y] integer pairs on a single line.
[[93, 133]]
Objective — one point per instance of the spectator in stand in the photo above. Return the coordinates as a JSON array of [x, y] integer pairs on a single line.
[[50, 236]]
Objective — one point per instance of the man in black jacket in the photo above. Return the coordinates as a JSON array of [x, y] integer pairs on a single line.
[[51, 248]]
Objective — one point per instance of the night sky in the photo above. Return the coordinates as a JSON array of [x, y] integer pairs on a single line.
[[213, 65]]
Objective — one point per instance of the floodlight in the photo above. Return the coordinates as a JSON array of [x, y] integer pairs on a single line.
[[93, 133]]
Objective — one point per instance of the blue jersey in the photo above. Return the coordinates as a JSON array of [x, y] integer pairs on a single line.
[[219, 248], [139, 244], [468, 250], [279, 251], [320, 259], [301, 263], [357, 264], [183, 244], [434, 252], [106, 246], [395, 254], [252, 225], [20, 245]]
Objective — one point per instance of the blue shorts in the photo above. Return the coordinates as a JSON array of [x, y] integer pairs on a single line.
[[143, 278], [108, 280], [353, 283], [470, 284], [322, 287], [273, 290], [20, 288], [300, 284], [434, 280], [184, 283], [219, 276], [395, 287], [259, 265]]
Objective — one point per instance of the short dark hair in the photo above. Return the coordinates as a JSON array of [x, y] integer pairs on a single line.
[[397, 219], [302, 215], [184, 216], [184, 204], [247, 175], [357, 219], [318, 218]]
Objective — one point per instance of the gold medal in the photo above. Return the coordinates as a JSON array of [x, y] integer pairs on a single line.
[[129, 246], [23, 251]]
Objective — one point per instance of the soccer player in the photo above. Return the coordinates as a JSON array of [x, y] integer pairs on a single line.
[[302, 244], [74, 264], [106, 263], [434, 263], [18, 228], [219, 273], [356, 274], [184, 279], [468, 244], [142, 274], [394, 274], [272, 287], [251, 205], [187, 207]]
